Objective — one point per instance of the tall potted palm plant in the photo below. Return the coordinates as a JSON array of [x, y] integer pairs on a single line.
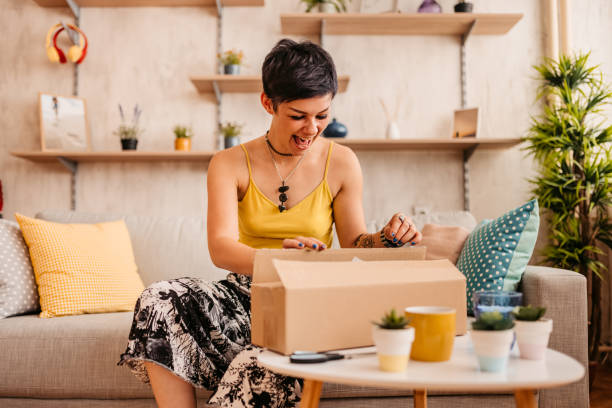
[[572, 146]]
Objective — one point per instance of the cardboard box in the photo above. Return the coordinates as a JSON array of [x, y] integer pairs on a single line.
[[326, 301]]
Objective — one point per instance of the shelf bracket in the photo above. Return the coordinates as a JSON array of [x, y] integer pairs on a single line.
[[322, 33], [219, 9], [73, 166], [467, 153], [466, 35], [76, 10], [217, 91]]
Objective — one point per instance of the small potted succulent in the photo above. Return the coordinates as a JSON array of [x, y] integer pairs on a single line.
[[129, 132], [463, 7], [183, 138], [231, 60], [231, 133], [326, 6], [393, 341], [492, 336], [532, 331]]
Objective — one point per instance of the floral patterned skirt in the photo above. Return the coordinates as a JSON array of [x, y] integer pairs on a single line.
[[201, 332]]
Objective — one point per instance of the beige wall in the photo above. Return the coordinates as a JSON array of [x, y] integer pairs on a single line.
[[146, 55]]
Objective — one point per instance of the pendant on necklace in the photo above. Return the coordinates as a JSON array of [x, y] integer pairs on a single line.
[[282, 197]]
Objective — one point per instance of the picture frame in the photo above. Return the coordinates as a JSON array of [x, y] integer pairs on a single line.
[[466, 123], [63, 123]]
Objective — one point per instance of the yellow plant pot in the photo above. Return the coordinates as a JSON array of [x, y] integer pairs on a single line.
[[182, 144]]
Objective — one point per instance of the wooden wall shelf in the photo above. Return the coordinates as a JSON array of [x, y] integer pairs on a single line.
[[152, 3], [398, 23], [242, 83], [356, 144], [427, 144], [115, 156]]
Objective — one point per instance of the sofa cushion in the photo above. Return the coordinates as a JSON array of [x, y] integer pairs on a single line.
[[164, 247], [496, 253], [18, 290], [82, 268]]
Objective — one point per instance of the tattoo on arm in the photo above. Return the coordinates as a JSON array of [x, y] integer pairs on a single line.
[[364, 241]]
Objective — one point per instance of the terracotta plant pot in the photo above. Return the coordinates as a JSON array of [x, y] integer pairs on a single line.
[[532, 337], [492, 347], [182, 144], [129, 144], [393, 347]]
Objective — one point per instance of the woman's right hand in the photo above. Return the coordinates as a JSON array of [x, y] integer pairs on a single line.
[[303, 243]]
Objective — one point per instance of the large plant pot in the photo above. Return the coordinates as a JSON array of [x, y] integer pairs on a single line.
[[393, 347], [492, 347], [182, 144], [532, 338], [129, 144], [232, 69]]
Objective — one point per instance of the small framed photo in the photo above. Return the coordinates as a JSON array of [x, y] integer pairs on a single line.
[[466, 123], [63, 123]]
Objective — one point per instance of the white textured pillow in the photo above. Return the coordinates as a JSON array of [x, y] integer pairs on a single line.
[[18, 290]]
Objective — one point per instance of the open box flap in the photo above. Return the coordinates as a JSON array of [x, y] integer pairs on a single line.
[[306, 275], [265, 271]]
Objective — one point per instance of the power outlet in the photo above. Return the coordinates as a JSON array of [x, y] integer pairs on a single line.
[[420, 210]]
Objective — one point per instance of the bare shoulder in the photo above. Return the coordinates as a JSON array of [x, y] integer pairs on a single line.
[[343, 168], [343, 158], [230, 162]]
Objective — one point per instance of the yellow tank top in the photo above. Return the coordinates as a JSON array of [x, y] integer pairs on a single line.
[[262, 225]]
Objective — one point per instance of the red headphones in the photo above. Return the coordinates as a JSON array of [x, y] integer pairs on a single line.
[[76, 53]]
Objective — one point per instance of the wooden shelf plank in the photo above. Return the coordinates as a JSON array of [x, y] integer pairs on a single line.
[[398, 23], [116, 156], [427, 144], [152, 3], [202, 156], [243, 83]]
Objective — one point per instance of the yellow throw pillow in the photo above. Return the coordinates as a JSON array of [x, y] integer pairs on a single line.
[[82, 268]]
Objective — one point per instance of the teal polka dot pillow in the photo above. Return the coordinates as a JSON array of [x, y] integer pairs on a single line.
[[496, 253]]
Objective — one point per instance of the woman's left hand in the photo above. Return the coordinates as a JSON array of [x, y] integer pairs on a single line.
[[401, 230]]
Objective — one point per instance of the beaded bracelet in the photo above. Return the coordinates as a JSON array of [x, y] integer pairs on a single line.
[[387, 243]]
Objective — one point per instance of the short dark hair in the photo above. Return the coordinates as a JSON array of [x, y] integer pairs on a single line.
[[294, 71]]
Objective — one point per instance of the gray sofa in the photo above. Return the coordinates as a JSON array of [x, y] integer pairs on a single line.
[[72, 361]]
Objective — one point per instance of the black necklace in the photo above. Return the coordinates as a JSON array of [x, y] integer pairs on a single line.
[[282, 197], [272, 147]]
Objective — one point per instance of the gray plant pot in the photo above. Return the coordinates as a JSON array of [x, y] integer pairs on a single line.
[[232, 141], [232, 69]]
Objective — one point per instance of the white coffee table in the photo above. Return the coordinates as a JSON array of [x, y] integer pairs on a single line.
[[461, 373]]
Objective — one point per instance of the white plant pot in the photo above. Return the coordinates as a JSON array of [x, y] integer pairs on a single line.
[[492, 347], [393, 347], [393, 131], [532, 338], [327, 8]]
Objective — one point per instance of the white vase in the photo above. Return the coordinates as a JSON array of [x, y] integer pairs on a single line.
[[492, 347], [532, 338], [393, 347], [392, 131], [327, 8]]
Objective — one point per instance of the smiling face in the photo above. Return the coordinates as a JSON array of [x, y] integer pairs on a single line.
[[297, 124]]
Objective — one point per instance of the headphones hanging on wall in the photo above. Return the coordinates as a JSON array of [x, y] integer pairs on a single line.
[[76, 53]]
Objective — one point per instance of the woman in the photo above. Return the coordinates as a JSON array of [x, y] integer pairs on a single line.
[[284, 189]]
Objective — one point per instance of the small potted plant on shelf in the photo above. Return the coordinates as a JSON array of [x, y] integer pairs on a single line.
[[128, 133], [463, 7], [492, 336], [231, 133], [532, 331], [183, 138], [393, 341], [231, 60], [326, 6]]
